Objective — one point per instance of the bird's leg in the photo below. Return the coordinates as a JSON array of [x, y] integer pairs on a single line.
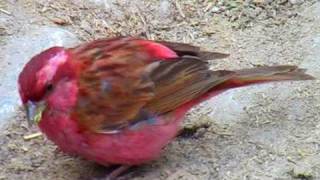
[[117, 172]]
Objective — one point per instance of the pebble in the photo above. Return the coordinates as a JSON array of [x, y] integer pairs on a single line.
[[302, 170], [296, 2]]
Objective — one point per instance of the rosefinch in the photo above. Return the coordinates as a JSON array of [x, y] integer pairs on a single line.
[[121, 100]]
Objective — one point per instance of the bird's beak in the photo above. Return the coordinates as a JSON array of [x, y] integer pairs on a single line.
[[34, 111]]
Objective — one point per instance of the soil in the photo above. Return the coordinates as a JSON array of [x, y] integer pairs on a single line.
[[269, 131]]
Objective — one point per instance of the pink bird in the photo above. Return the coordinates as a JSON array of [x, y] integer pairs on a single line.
[[122, 100]]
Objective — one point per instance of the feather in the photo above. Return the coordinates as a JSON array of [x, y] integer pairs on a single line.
[[120, 77], [183, 49]]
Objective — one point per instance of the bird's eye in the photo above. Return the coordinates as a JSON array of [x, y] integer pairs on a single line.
[[49, 87]]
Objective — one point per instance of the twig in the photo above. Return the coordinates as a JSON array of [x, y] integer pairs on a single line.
[[141, 17], [5, 11], [209, 6], [108, 26], [145, 25], [223, 133], [32, 136], [179, 9]]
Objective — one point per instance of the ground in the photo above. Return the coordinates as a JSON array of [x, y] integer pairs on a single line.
[[269, 131]]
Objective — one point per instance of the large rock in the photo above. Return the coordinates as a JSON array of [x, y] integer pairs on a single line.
[[16, 53]]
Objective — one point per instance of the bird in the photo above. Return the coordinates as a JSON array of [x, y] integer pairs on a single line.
[[121, 100]]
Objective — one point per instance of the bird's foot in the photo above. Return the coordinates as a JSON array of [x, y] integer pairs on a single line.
[[192, 131]]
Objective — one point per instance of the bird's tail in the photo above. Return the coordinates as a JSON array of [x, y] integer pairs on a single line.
[[244, 77], [266, 74]]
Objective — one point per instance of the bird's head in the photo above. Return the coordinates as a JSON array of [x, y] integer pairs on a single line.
[[38, 79]]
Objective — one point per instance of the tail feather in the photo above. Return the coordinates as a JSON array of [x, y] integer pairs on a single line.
[[270, 73], [265, 74], [251, 76]]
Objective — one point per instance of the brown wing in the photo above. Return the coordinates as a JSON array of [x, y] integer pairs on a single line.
[[180, 81], [118, 84], [113, 83]]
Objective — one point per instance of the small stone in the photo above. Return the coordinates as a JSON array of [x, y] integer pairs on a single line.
[[303, 171], [215, 9], [19, 49], [259, 2], [296, 2], [165, 8], [25, 149], [59, 21]]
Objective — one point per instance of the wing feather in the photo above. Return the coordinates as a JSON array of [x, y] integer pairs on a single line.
[[119, 82]]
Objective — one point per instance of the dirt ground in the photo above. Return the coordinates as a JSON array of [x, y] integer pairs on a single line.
[[264, 132]]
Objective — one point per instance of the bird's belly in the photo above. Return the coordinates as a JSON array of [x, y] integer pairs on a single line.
[[132, 146]]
